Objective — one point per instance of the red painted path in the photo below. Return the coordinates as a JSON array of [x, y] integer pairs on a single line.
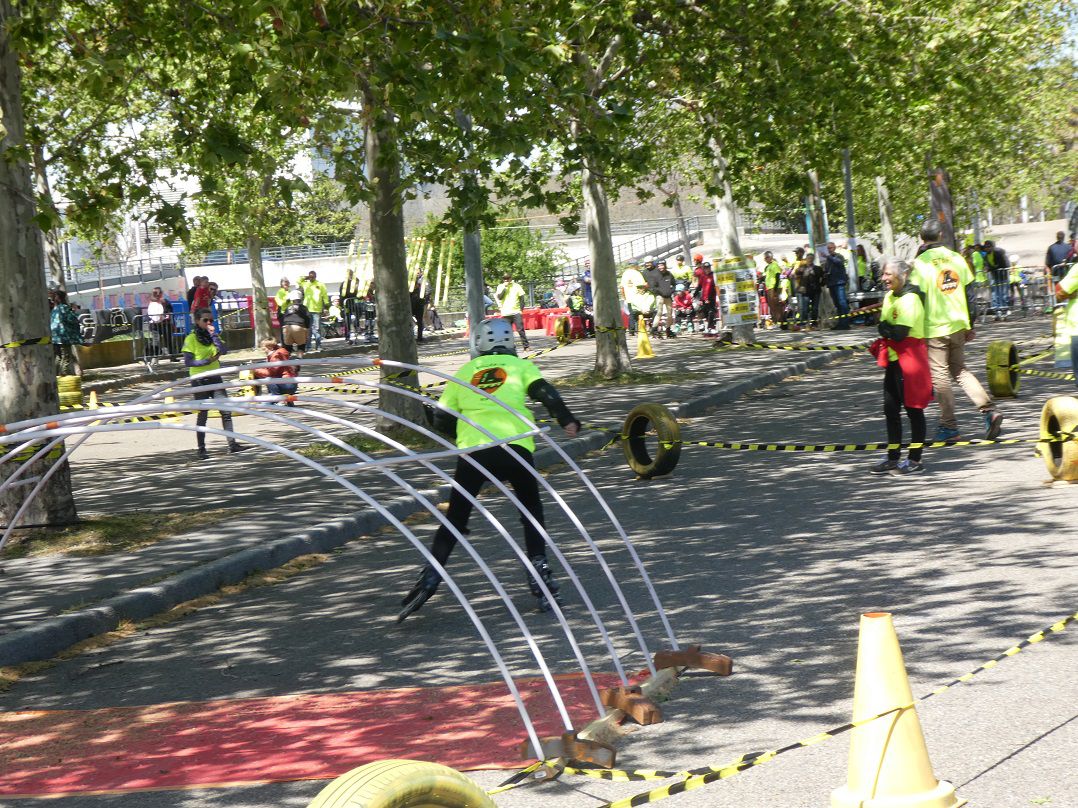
[[304, 737]]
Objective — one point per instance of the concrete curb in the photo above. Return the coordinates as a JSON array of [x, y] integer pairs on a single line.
[[52, 635]]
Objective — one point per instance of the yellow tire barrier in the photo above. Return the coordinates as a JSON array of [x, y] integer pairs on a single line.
[[634, 443], [563, 330], [1060, 414], [70, 390], [402, 784], [1002, 363]]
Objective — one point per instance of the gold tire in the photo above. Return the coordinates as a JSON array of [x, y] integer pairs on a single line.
[[637, 424], [402, 784], [1002, 373], [563, 330], [1060, 414]]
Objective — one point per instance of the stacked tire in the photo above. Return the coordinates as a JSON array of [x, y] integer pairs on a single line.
[[70, 389], [640, 424]]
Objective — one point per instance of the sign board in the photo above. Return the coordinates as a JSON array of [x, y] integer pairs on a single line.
[[737, 294]]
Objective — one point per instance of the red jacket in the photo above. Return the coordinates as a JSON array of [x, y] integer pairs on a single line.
[[913, 360], [706, 281]]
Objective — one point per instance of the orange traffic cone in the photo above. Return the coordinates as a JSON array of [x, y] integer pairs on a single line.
[[643, 342], [889, 765]]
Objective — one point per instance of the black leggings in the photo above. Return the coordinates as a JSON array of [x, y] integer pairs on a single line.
[[507, 468], [203, 415], [892, 403]]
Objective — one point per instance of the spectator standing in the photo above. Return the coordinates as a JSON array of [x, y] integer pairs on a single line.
[[661, 284], [316, 299], [500, 373], [634, 292], [159, 316], [276, 353], [66, 333], [907, 381], [1067, 291], [509, 297], [200, 299], [835, 275], [864, 273], [296, 323], [772, 276], [944, 278], [1059, 253], [202, 351], [707, 292], [370, 314], [418, 298], [681, 271], [195, 281], [998, 264]]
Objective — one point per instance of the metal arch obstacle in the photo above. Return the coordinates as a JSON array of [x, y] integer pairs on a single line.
[[51, 432]]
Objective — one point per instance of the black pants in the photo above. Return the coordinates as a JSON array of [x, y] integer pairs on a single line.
[[203, 415], [892, 404], [505, 467]]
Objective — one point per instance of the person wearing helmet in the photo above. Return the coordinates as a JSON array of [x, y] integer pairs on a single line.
[[295, 323], [500, 373]]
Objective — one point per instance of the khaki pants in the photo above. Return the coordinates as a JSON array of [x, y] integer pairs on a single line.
[[663, 304], [947, 360]]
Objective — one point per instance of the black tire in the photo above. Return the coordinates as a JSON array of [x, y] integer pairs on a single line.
[[638, 423], [402, 784], [1002, 373]]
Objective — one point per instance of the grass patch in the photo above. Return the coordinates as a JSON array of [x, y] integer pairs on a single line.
[[127, 628], [370, 445], [592, 379], [115, 533]]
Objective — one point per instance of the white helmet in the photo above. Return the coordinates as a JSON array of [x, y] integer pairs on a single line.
[[494, 335], [296, 296]]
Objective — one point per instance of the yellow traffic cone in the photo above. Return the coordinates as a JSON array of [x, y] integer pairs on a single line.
[[643, 341], [93, 400], [889, 765]]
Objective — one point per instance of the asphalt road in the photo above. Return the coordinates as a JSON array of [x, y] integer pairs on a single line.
[[769, 557]]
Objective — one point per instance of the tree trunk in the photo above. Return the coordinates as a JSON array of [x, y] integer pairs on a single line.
[[396, 340], [726, 220], [887, 233], [27, 376], [263, 324], [682, 230], [611, 349], [54, 255], [725, 216]]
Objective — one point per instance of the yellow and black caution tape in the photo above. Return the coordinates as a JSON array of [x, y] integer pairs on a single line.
[[53, 454], [1045, 374], [692, 779], [860, 447], [19, 343], [726, 346], [1032, 639]]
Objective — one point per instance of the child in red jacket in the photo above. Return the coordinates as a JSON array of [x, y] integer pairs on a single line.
[[275, 353]]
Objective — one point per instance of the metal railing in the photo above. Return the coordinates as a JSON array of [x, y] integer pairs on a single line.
[[661, 243], [333, 249], [143, 270]]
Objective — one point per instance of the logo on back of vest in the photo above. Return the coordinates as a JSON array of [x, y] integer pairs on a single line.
[[947, 281], [490, 379]]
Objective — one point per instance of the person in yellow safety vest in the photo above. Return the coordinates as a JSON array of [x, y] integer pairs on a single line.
[[785, 287], [316, 300], [202, 350], [1067, 324], [681, 271], [634, 289], [1018, 294], [772, 274], [944, 277], [509, 297], [281, 298], [864, 275], [498, 372]]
